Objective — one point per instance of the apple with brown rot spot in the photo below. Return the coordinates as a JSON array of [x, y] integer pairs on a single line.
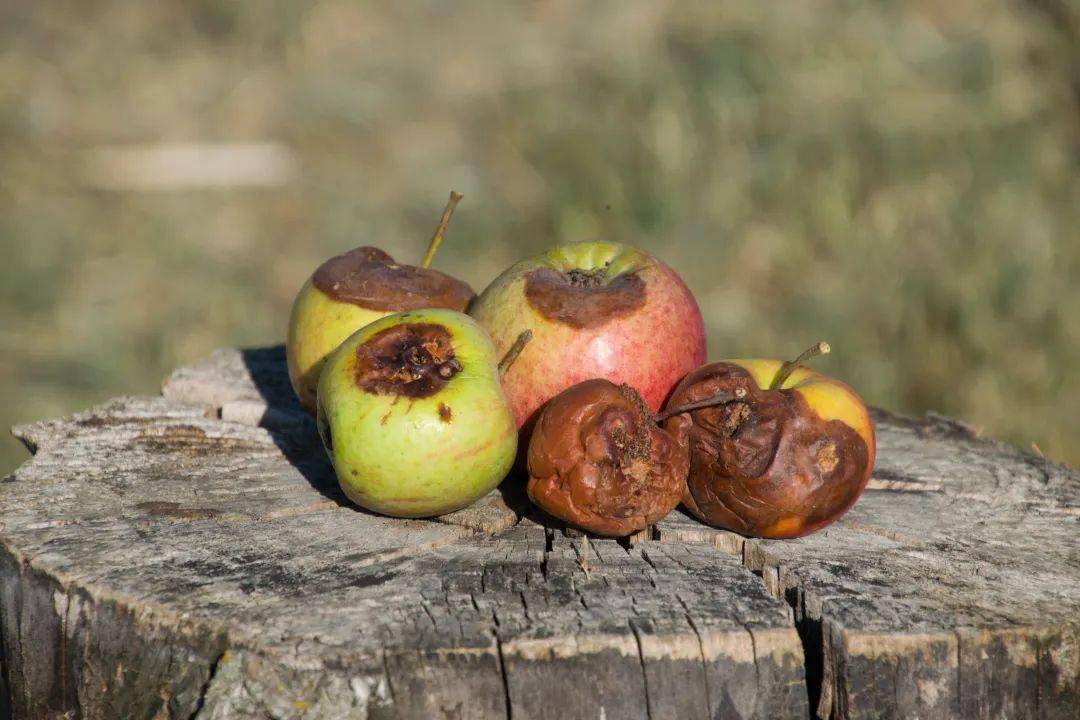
[[597, 310], [353, 289], [790, 457], [412, 414]]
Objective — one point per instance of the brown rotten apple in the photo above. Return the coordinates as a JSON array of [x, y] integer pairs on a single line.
[[597, 310], [354, 289], [597, 459], [790, 457]]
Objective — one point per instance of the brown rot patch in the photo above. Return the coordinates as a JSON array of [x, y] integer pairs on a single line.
[[583, 298], [445, 413], [413, 359], [370, 278]]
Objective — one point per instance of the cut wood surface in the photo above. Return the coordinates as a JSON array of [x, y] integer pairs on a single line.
[[190, 556]]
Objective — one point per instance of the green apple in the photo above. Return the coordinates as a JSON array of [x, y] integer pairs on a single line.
[[413, 416], [349, 291]]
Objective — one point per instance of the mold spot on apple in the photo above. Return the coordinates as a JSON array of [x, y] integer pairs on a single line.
[[583, 298], [413, 359], [446, 414]]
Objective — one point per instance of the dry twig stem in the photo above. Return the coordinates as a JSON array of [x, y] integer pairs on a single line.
[[436, 239]]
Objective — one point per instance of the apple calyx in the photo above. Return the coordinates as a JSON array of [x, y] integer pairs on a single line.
[[586, 278], [412, 359]]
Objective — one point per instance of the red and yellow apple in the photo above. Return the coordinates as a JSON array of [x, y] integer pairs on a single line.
[[790, 456], [596, 310]]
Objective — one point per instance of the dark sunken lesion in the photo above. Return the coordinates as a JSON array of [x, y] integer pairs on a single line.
[[446, 414], [413, 359], [756, 464], [581, 298], [369, 277]]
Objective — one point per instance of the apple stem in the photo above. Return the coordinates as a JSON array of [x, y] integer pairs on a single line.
[[821, 348], [515, 350], [436, 239], [720, 398]]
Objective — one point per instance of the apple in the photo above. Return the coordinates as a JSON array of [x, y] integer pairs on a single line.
[[413, 416], [597, 459], [353, 289], [596, 310], [789, 456]]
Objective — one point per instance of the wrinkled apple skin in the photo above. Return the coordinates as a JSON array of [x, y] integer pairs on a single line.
[[649, 348], [317, 325], [788, 499], [422, 456], [598, 461]]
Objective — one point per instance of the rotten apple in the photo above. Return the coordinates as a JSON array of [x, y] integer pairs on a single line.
[[789, 457], [599, 460], [597, 310], [412, 414], [355, 288]]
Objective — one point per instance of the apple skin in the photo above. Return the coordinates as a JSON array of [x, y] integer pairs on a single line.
[[649, 347], [792, 497], [418, 456], [317, 325]]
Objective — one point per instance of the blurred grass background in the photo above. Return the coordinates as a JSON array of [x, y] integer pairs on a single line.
[[900, 179]]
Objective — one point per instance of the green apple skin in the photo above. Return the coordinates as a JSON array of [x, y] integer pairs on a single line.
[[317, 325], [418, 456]]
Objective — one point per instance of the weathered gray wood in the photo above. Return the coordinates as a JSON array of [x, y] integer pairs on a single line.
[[191, 556], [158, 561]]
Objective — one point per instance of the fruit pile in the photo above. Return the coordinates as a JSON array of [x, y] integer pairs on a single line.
[[591, 355]]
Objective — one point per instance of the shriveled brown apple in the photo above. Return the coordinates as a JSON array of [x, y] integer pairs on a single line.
[[790, 457]]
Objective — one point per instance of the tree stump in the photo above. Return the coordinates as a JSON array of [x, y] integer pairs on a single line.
[[190, 556]]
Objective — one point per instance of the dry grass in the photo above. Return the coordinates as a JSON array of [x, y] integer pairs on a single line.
[[899, 179]]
